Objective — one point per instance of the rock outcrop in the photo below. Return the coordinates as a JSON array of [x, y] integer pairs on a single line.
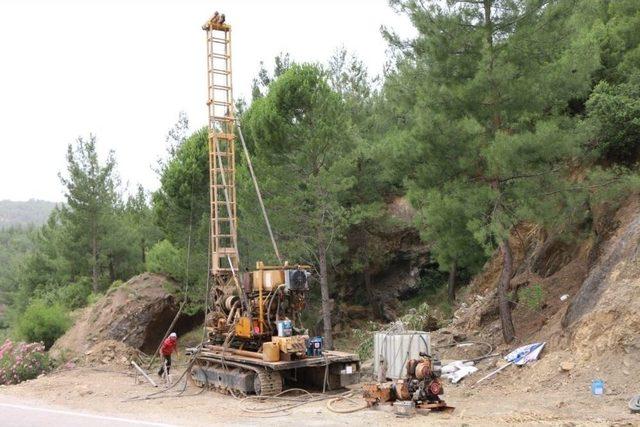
[[137, 313]]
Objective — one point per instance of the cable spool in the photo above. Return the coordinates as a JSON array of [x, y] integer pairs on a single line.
[[229, 301]]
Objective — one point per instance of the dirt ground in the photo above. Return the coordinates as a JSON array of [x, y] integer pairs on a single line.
[[517, 397]]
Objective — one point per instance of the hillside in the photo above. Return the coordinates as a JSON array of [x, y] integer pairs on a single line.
[[13, 213]]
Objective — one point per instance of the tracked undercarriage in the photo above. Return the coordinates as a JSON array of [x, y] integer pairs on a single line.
[[228, 377]]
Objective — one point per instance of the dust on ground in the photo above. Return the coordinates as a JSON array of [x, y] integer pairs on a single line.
[[519, 396]]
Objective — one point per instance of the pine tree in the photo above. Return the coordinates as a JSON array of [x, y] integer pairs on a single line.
[[90, 192], [301, 134], [482, 91]]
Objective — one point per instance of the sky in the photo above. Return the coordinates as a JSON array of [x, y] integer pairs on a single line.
[[124, 70]]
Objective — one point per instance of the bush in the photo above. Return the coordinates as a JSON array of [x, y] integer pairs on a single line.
[[532, 297], [20, 362], [43, 323], [420, 319], [614, 109], [164, 258], [364, 339], [116, 284], [75, 295]]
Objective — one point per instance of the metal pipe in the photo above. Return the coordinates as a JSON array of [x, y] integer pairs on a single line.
[[232, 311], [144, 374], [260, 307], [252, 354]]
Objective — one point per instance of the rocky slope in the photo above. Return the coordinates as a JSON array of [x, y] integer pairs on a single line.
[[588, 310], [137, 313]]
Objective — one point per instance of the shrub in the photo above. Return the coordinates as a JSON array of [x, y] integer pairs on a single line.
[[21, 361], [93, 298], [164, 258], [532, 296], [116, 284], [420, 319], [75, 295], [44, 323], [614, 109], [364, 339]]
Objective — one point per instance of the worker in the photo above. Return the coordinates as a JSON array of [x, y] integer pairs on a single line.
[[169, 345]]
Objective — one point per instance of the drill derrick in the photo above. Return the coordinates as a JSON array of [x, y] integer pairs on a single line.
[[255, 337], [224, 223]]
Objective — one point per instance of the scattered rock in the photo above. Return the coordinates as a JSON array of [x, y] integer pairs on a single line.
[[567, 365], [110, 352]]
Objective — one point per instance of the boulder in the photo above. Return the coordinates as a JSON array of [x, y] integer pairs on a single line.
[[137, 313]]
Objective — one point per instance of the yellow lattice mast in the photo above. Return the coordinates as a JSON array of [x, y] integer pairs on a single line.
[[224, 247]]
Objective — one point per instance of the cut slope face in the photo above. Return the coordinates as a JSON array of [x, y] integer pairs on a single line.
[[136, 313], [586, 291], [604, 316]]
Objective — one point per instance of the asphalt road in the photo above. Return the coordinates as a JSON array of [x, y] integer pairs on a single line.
[[14, 412]]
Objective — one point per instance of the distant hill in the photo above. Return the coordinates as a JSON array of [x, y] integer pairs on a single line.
[[24, 213]]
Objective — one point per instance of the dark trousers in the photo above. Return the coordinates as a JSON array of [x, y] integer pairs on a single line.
[[167, 361]]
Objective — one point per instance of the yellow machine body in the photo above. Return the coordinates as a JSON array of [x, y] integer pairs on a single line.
[[243, 327]]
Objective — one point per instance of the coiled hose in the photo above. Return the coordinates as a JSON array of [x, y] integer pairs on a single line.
[[281, 403], [634, 404]]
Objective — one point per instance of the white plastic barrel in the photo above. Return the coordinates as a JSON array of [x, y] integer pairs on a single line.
[[391, 350]]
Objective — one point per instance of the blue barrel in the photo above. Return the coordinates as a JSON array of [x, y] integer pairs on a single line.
[[314, 348]]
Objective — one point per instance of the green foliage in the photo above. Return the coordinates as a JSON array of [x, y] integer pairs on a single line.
[[364, 339], [483, 121], [532, 296], [294, 129], [615, 111], [91, 240], [433, 293], [164, 258], [15, 245], [419, 319], [116, 284], [88, 214], [181, 211], [93, 298], [42, 322], [75, 295]]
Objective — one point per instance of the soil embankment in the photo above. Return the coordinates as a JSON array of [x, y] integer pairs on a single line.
[[136, 313]]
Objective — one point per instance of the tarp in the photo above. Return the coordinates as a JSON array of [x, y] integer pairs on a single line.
[[455, 371], [525, 354]]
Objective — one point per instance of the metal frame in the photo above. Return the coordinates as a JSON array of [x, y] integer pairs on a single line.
[[224, 225]]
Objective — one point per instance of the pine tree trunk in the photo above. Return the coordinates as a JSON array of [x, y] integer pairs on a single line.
[[142, 252], [508, 331], [94, 258], [369, 289], [451, 290], [112, 269], [326, 303]]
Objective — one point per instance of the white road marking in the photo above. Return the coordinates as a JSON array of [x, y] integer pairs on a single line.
[[80, 414]]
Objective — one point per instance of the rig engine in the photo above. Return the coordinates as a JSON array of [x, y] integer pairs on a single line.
[[421, 385], [246, 314]]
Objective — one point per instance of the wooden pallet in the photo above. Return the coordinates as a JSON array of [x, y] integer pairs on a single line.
[[329, 358]]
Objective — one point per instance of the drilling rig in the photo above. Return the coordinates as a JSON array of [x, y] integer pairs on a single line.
[[255, 338]]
